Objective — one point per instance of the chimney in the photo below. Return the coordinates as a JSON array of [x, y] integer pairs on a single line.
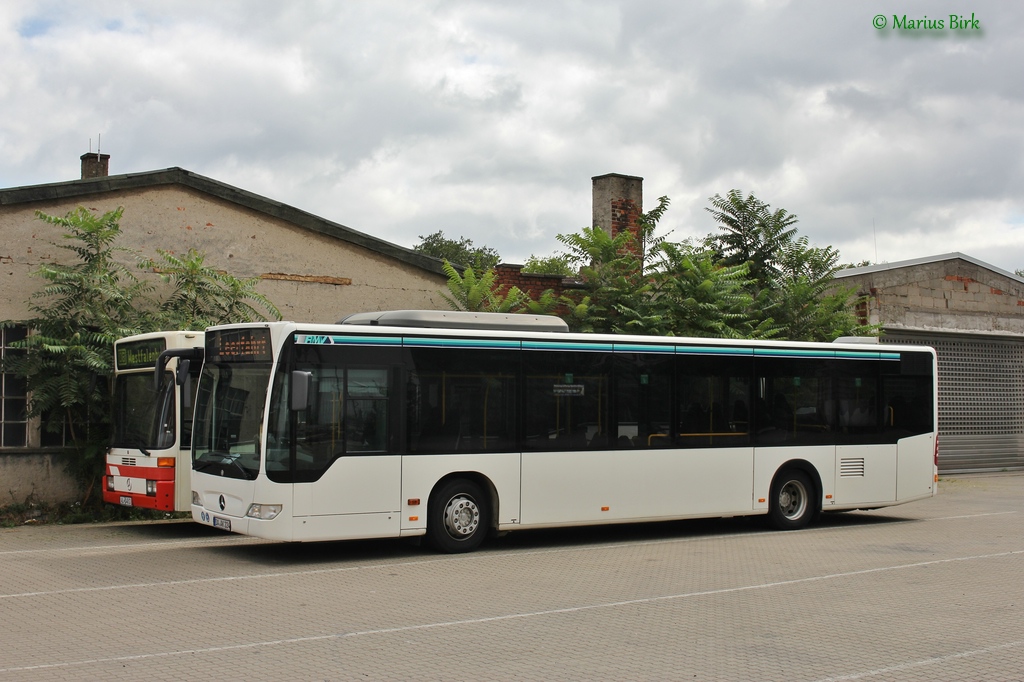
[[618, 202], [95, 165]]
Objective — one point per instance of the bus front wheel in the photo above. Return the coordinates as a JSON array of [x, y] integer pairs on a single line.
[[791, 504], [458, 517]]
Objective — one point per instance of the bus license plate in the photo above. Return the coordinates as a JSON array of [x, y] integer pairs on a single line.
[[221, 523], [126, 501]]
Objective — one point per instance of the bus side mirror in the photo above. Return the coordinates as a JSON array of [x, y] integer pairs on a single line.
[[301, 383], [184, 379], [181, 376]]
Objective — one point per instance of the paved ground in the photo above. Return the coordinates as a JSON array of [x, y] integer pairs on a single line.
[[932, 590]]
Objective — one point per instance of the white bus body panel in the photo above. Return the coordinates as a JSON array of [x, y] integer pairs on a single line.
[[237, 495], [865, 475], [565, 488], [915, 473], [352, 485], [357, 497], [768, 461], [182, 477], [420, 473]]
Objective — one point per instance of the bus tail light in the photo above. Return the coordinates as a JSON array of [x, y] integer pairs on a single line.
[[266, 512], [165, 461]]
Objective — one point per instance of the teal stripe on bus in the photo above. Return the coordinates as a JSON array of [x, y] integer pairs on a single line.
[[634, 348], [487, 344], [565, 345], [357, 340], [713, 350], [860, 355], [793, 353]]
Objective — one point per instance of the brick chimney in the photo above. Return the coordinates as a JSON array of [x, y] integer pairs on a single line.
[[618, 202], [95, 165]]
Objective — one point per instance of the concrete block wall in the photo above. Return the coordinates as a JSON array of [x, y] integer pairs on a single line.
[[948, 295]]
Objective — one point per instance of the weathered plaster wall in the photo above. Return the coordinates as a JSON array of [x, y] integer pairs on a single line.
[[34, 477], [310, 276]]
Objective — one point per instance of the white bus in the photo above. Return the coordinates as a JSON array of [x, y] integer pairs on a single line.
[[148, 462], [457, 425]]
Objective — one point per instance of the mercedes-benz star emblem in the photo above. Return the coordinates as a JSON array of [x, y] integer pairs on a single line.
[[222, 503]]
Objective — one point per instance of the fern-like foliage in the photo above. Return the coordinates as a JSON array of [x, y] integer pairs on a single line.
[[480, 293], [90, 300], [202, 296]]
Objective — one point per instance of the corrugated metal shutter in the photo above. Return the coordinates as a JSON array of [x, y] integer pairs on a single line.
[[981, 400]]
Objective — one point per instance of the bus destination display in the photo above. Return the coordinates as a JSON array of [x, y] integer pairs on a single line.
[[140, 354], [240, 345]]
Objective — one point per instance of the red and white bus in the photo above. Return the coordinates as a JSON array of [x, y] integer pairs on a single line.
[[457, 425], [148, 462]]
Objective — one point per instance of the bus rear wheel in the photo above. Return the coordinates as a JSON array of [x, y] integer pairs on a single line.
[[791, 503], [458, 517]]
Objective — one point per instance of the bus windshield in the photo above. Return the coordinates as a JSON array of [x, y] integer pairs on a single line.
[[143, 418], [228, 418]]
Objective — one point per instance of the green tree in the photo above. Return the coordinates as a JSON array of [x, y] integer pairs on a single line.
[[700, 296], [617, 286], [806, 302], [459, 251], [81, 310], [751, 233], [479, 293], [91, 301], [790, 282], [201, 296], [550, 265]]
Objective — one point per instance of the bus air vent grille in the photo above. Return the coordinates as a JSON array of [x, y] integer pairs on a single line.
[[851, 467], [128, 461]]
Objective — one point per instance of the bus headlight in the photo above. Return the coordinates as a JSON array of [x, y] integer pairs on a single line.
[[195, 499], [266, 512], [110, 483], [151, 488]]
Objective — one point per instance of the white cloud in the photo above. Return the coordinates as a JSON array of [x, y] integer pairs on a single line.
[[488, 119]]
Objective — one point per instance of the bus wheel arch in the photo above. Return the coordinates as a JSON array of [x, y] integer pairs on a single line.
[[794, 499], [461, 512]]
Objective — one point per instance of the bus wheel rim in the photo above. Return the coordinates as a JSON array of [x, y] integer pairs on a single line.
[[461, 517], [792, 499]]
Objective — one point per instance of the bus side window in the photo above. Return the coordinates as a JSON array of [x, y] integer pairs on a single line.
[[461, 400], [568, 395], [366, 410], [642, 401], [796, 404], [713, 398]]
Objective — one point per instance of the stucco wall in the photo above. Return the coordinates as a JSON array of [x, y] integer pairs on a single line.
[[34, 477], [309, 276]]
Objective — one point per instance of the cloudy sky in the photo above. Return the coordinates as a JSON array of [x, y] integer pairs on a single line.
[[488, 119]]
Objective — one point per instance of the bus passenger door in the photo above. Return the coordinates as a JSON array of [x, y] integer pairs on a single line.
[[348, 482]]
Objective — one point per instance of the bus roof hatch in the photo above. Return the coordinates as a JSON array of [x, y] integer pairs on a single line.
[[459, 319]]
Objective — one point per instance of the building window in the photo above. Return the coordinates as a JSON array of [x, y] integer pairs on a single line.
[[13, 394]]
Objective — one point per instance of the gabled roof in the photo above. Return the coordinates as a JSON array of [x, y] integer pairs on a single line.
[[241, 197], [956, 255]]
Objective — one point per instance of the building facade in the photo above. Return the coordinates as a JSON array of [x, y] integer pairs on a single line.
[[972, 313], [313, 269]]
